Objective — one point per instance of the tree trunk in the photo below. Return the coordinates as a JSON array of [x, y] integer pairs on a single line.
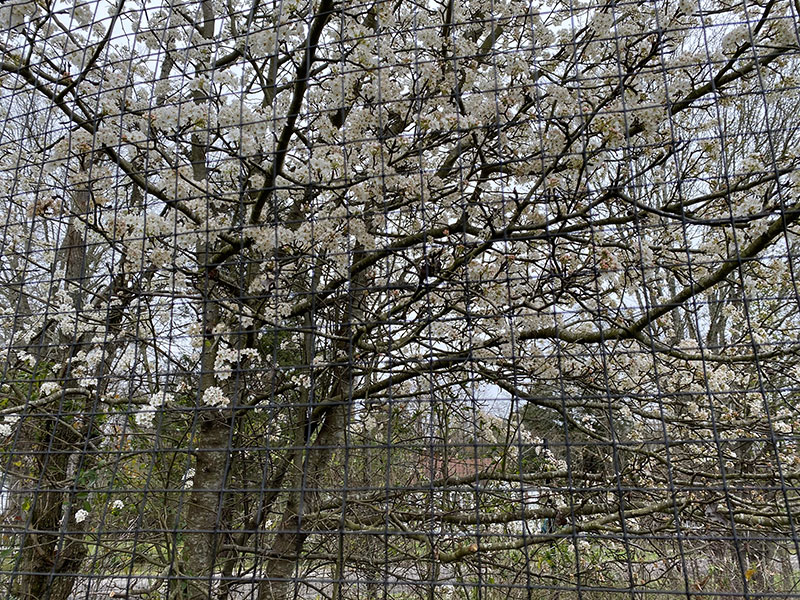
[[201, 544], [210, 445], [51, 546], [212, 427], [288, 543]]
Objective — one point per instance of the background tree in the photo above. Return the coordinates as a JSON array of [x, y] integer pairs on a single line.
[[316, 299]]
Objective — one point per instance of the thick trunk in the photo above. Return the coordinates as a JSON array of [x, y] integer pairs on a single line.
[[51, 547], [280, 574], [280, 571], [211, 427], [210, 444], [201, 545]]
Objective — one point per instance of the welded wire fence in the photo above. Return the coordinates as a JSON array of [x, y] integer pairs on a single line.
[[309, 299]]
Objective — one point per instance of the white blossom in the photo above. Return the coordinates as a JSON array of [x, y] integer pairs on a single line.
[[49, 387], [214, 396], [145, 418], [81, 515]]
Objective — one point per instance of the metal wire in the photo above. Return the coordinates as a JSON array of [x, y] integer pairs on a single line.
[[442, 300]]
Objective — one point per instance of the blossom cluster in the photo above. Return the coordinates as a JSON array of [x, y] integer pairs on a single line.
[[215, 397]]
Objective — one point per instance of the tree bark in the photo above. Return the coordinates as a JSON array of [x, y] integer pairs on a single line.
[[288, 543], [51, 546]]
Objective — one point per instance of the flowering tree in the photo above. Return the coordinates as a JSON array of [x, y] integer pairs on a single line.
[[306, 296]]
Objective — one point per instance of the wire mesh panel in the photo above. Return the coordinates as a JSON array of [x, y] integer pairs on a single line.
[[311, 299]]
